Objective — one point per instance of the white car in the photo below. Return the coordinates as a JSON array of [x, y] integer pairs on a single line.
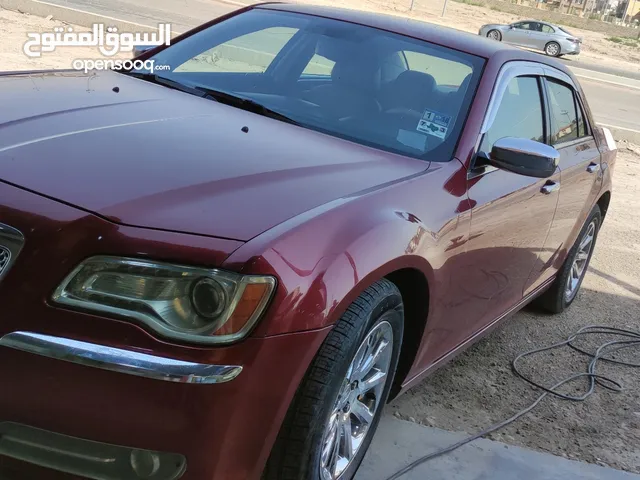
[[551, 39]]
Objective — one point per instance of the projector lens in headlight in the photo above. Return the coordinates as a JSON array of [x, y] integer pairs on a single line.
[[208, 298], [186, 303]]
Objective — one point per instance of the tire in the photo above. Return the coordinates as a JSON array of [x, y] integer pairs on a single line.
[[494, 35], [553, 49], [558, 298], [313, 417]]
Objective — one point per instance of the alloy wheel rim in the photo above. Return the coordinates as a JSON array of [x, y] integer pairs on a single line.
[[357, 403], [494, 35], [580, 262], [552, 49]]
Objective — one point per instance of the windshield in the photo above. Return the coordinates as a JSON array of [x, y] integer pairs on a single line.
[[359, 83]]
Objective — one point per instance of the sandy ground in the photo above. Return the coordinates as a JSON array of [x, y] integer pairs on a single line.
[[478, 389], [13, 32]]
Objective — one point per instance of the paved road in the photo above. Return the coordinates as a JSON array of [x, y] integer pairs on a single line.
[[182, 14], [613, 101], [572, 62]]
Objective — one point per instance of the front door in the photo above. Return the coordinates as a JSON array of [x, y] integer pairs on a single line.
[[512, 213], [520, 34], [580, 179]]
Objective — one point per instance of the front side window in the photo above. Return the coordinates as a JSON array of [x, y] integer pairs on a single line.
[[524, 26], [519, 114], [359, 83], [564, 119], [319, 66]]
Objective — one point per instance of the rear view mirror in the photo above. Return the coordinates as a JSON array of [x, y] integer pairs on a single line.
[[525, 157]]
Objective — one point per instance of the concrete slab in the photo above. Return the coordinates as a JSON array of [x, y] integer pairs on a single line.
[[398, 443]]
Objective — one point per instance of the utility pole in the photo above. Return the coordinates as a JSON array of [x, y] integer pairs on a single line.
[[444, 8], [412, 4]]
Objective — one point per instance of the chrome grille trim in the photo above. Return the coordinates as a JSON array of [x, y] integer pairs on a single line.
[[11, 242]]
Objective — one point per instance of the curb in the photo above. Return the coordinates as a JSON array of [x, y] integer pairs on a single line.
[[619, 133]]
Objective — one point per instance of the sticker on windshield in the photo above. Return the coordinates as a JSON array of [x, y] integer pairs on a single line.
[[434, 123]]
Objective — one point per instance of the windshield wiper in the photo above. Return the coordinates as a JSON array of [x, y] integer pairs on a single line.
[[167, 82], [216, 95], [245, 104]]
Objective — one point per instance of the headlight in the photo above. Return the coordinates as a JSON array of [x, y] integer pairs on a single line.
[[199, 305]]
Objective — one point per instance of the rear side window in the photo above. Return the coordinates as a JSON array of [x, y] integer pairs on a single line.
[[564, 113], [547, 29], [519, 114]]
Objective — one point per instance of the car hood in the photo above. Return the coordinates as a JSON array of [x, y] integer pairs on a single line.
[[145, 155]]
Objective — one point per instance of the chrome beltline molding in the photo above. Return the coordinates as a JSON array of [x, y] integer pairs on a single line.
[[119, 360]]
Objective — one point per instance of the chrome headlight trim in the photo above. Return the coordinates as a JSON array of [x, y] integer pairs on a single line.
[[205, 336]]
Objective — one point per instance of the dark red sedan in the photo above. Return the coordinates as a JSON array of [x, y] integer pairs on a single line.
[[224, 267]]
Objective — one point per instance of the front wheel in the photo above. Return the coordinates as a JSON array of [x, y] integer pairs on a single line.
[[494, 35], [552, 49], [336, 410]]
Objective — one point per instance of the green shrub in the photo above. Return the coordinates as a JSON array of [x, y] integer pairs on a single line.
[[473, 3]]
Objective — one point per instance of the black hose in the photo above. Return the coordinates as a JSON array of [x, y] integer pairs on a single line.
[[630, 339]]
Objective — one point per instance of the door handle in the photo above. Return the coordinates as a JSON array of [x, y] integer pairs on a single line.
[[550, 187], [593, 167]]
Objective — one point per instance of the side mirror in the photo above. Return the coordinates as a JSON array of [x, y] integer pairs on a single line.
[[511, 27], [140, 49], [525, 157]]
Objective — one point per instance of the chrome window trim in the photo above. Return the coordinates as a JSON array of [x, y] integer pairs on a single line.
[[119, 360], [509, 71], [571, 143]]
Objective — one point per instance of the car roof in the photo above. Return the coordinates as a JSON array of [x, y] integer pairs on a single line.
[[429, 32]]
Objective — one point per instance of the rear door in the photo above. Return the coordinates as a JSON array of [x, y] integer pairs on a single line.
[[542, 35], [581, 179]]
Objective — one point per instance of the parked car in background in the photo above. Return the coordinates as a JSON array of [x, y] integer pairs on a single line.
[[223, 269], [551, 39]]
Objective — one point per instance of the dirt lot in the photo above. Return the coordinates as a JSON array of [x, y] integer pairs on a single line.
[[478, 389], [13, 32]]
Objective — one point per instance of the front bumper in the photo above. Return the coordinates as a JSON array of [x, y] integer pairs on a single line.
[[224, 428]]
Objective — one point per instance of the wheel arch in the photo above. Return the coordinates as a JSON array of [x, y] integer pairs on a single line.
[[603, 202], [414, 288]]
